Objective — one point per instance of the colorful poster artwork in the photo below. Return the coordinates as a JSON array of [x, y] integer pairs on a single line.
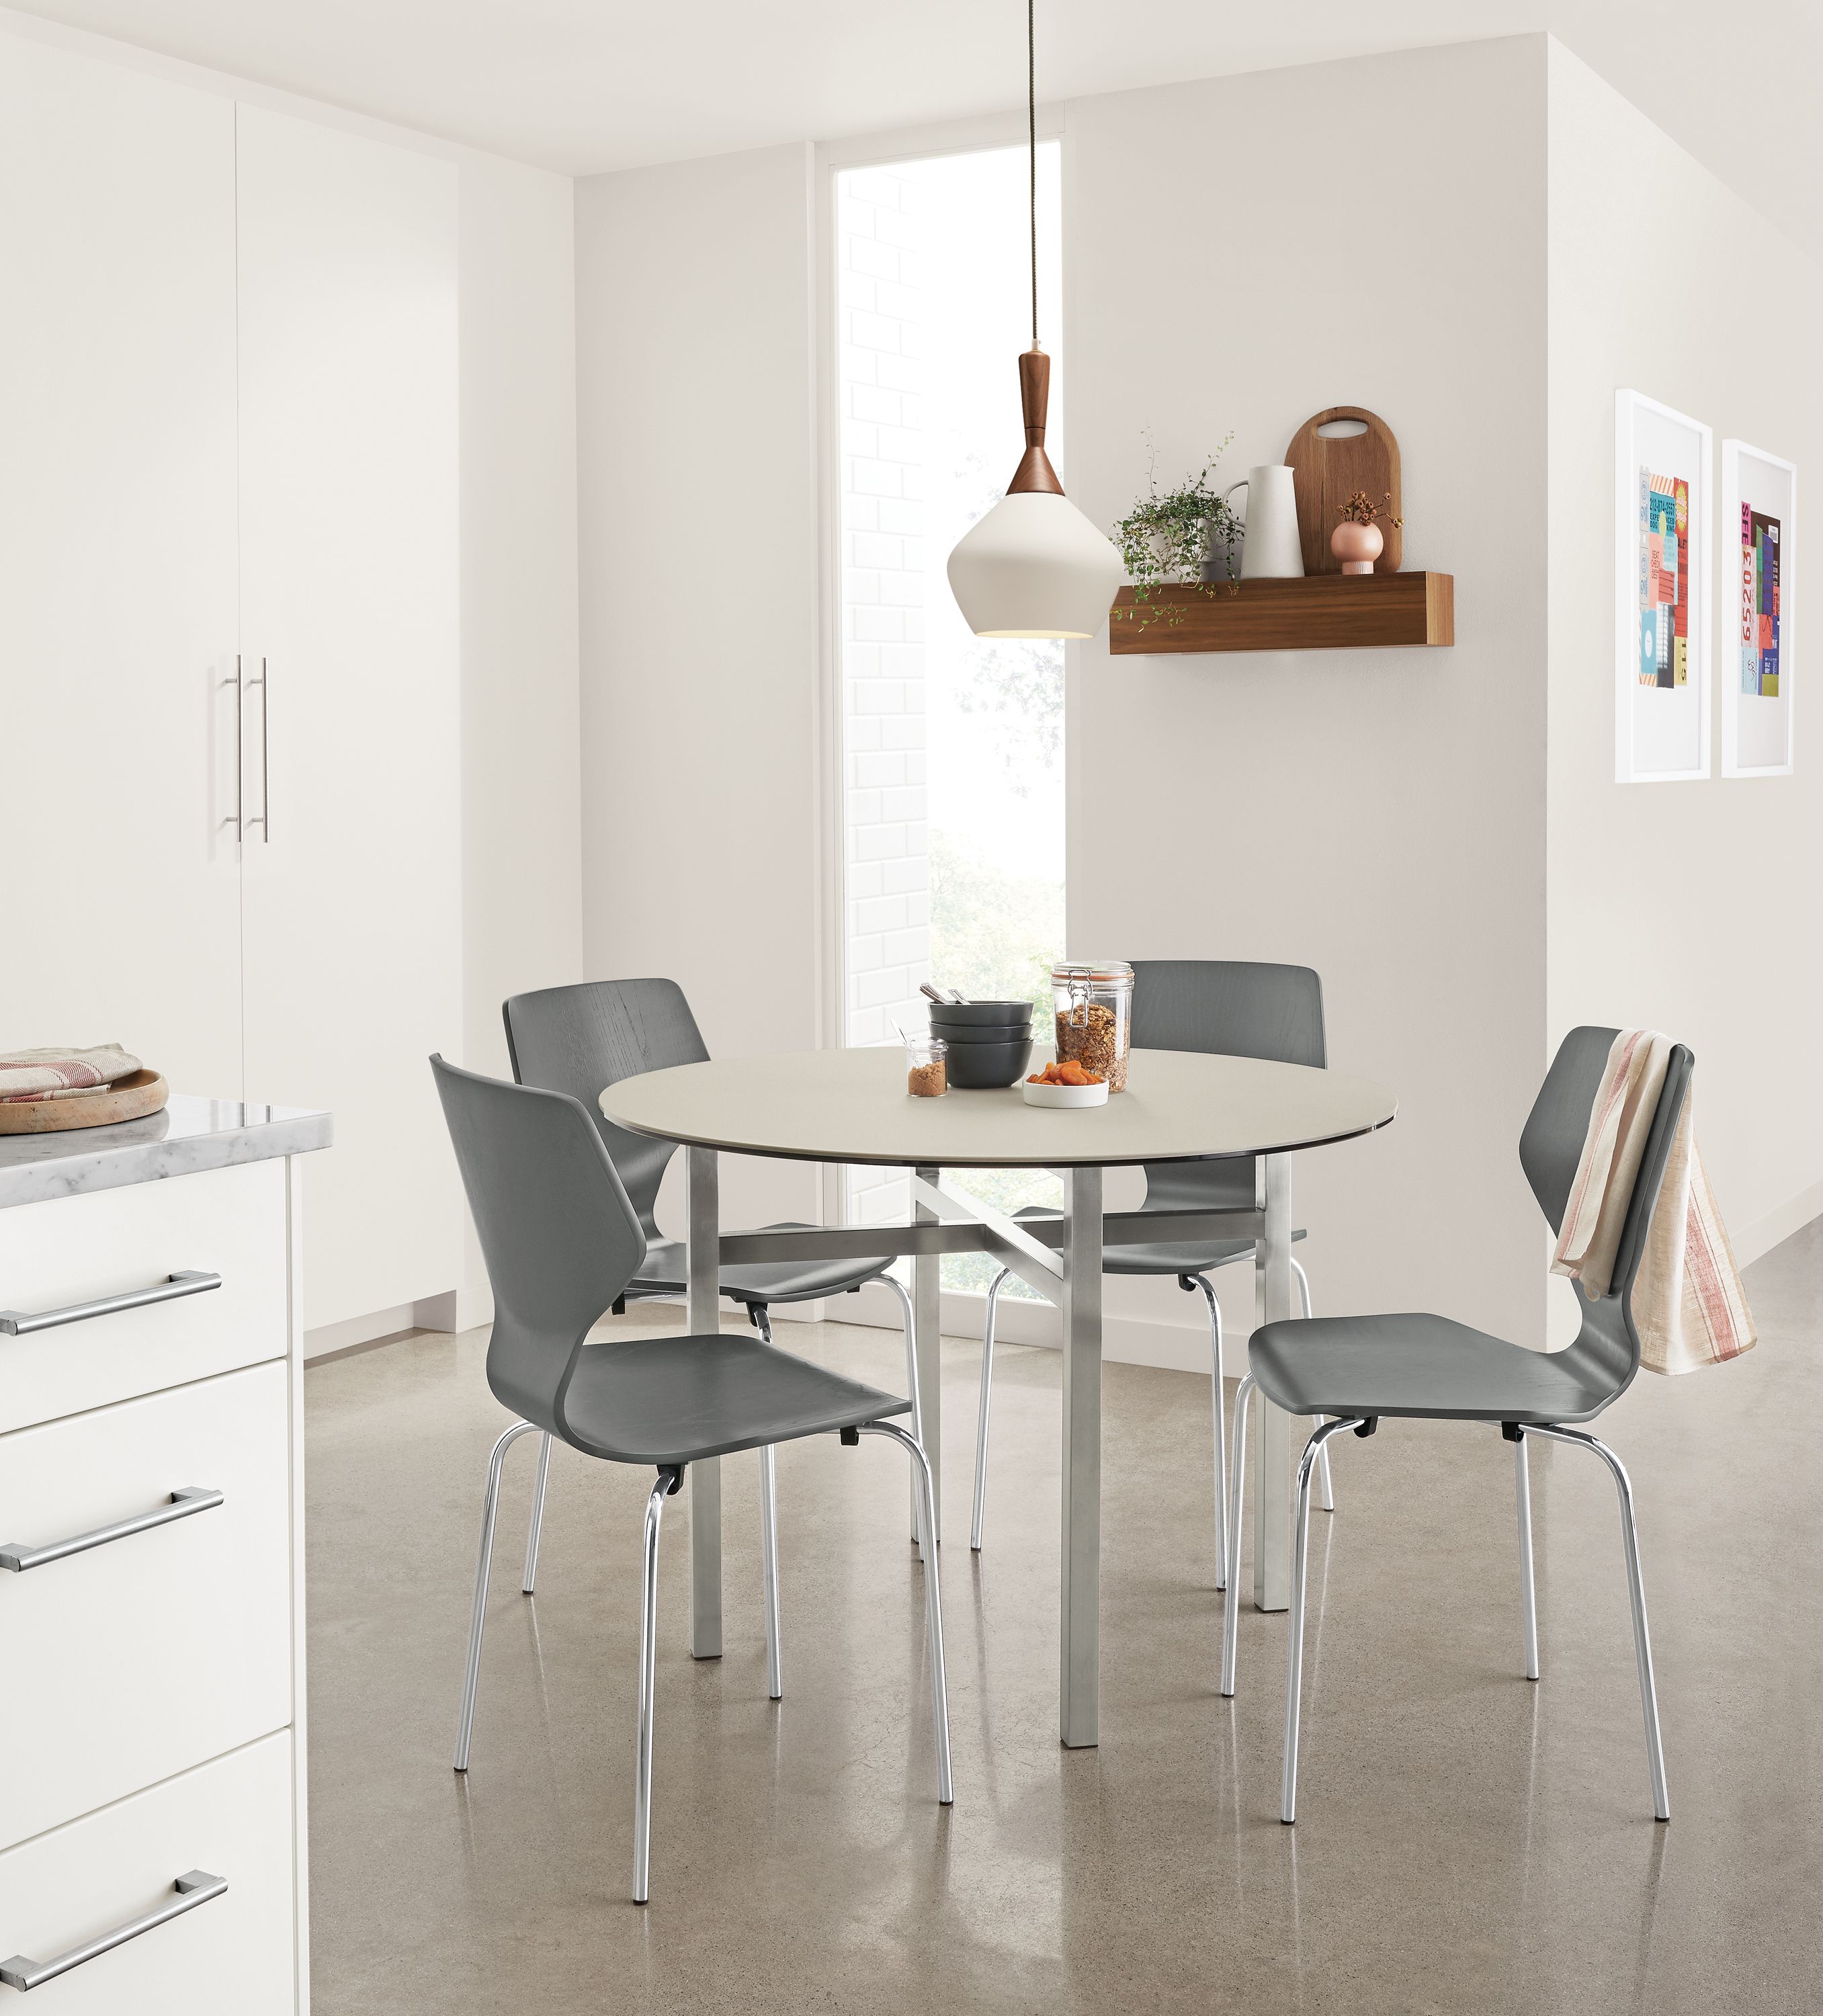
[[1760, 603], [1664, 580]]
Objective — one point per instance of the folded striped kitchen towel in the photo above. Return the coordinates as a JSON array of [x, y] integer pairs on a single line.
[[1688, 1305], [61, 1073]]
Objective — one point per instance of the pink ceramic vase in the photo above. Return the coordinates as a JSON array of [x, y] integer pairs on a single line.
[[1356, 546]]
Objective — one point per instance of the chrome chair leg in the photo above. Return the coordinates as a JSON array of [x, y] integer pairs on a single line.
[[1329, 1488], [769, 1567], [1231, 1618], [981, 1418], [528, 1582], [478, 1618], [910, 1322], [939, 1704], [1216, 1406], [1528, 1596], [668, 1481], [1642, 1648], [1294, 1668]]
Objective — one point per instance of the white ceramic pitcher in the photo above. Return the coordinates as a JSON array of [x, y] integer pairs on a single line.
[[1272, 549]]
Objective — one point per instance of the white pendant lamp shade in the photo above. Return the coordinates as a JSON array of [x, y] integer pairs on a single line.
[[1034, 567]]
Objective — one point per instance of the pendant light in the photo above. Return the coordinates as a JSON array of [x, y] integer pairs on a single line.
[[1033, 566]]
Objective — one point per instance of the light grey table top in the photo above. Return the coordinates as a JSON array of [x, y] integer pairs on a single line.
[[190, 1135], [852, 1106]]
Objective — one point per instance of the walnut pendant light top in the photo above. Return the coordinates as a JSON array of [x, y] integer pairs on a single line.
[[1034, 471]]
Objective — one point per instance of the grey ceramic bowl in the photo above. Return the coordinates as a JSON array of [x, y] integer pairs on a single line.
[[959, 1014], [980, 1067], [978, 1032]]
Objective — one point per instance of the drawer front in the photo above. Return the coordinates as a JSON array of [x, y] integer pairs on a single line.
[[233, 1956], [143, 1655], [69, 1250]]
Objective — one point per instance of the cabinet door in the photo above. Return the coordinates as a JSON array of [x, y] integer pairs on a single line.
[[352, 920], [117, 587], [235, 1954]]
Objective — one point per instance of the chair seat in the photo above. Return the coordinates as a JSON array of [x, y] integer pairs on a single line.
[[1423, 1366], [665, 1271], [1165, 1257], [681, 1399]]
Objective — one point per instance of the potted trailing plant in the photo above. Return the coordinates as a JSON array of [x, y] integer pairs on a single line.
[[1170, 538], [1358, 542]]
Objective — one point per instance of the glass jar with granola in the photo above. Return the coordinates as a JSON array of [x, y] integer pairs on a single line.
[[1093, 1001]]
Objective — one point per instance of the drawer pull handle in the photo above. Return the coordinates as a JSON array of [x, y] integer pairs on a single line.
[[16, 1556], [194, 1887], [16, 1322]]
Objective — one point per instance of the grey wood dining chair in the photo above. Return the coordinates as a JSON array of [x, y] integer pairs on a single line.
[[581, 1039], [562, 1241], [1221, 1007], [1356, 1370]]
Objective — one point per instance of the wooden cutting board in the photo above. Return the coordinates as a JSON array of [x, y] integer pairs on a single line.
[[1326, 472], [126, 1098]]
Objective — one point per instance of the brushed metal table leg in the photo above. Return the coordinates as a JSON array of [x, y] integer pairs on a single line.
[[927, 1313], [702, 1176], [1079, 1624], [1272, 1296]]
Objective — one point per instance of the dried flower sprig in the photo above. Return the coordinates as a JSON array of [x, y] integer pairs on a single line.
[[1363, 511]]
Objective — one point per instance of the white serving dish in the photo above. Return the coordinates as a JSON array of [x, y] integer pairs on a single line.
[[1064, 1095]]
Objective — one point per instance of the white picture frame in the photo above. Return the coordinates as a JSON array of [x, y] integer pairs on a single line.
[[1758, 726], [1662, 461]]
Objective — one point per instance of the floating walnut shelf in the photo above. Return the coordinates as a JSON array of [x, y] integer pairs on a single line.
[[1323, 612]]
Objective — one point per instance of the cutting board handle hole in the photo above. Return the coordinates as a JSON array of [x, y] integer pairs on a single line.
[[1341, 429]]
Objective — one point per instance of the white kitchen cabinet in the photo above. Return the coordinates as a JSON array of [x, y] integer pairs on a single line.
[[117, 565], [152, 1648], [234, 1955], [352, 910], [228, 623]]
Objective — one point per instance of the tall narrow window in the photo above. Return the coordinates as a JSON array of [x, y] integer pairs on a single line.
[[953, 746]]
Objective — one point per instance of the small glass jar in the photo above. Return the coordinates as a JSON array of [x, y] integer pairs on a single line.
[[926, 1074], [1093, 1001]]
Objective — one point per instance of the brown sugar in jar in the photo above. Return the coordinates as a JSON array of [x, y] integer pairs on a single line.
[[926, 1074]]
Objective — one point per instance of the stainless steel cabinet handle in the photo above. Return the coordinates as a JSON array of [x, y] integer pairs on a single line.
[[16, 1556], [264, 821], [194, 1887], [235, 819], [19, 1322]]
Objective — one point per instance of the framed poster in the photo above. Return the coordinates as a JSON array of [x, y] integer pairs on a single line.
[[1661, 576], [1759, 545]]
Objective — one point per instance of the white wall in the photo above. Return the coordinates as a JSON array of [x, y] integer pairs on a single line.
[[701, 742], [1376, 814], [1684, 907]]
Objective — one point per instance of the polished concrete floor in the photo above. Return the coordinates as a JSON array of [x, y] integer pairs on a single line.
[[1467, 1843]]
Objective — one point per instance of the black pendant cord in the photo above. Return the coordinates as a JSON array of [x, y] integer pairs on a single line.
[[1032, 148]]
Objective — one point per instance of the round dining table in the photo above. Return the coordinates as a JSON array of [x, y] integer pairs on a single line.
[[853, 1106]]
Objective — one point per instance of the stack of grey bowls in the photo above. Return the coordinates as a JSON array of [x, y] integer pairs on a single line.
[[990, 1041]]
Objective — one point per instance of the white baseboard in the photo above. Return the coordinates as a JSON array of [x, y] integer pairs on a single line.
[[434, 1312], [1761, 1234]]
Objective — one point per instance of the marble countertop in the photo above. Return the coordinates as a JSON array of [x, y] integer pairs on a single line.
[[191, 1134]]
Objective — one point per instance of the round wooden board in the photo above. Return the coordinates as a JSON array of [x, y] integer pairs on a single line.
[[130, 1098]]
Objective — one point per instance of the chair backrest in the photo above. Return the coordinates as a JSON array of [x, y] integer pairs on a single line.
[[580, 1040], [1230, 1008], [559, 1237], [1550, 1148]]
